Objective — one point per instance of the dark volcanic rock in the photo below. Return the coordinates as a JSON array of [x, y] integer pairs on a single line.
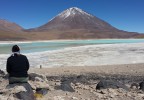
[[104, 84], [2, 73], [66, 86], [141, 84], [42, 91]]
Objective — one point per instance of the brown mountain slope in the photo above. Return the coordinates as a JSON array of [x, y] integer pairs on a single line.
[[9, 26], [75, 23], [72, 23]]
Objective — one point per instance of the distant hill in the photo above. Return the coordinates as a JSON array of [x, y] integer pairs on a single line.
[[9, 26], [72, 23]]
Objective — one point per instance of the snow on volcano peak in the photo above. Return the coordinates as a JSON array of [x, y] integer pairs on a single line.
[[73, 11]]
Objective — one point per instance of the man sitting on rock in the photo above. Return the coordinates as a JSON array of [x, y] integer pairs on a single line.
[[17, 66]]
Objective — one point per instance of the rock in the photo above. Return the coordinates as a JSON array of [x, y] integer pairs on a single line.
[[141, 95], [112, 96], [86, 87], [100, 95], [3, 97], [38, 79], [32, 76], [8, 97], [32, 85], [104, 91], [42, 91], [42, 85], [2, 73], [91, 91], [79, 87], [134, 86], [77, 84], [66, 86], [104, 84], [21, 91], [58, 98], [75, 98], [121, 90], [141, 84]]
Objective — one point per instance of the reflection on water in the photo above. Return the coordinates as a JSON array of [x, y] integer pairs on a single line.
[[46, 46]]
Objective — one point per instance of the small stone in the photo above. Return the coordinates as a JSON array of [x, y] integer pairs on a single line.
[[57, 80], [141, 95], [38, 79], [91, 91], [86, 88], [58, 98], [77, 84], [112, 96], [128, 95], [99, 95], [103, 91], [74, 98]]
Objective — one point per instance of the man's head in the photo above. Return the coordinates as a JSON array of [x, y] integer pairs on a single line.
[[15, 48]]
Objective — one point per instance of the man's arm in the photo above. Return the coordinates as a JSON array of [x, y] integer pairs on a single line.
[[8, 66], [27, 64]]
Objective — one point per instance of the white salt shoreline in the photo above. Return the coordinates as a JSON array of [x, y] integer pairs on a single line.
[[92, 55], [17, 42]]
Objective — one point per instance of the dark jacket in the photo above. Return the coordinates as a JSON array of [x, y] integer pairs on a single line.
[[17, 66]]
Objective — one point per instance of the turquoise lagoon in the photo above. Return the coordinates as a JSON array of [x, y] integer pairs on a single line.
[[31, 47]]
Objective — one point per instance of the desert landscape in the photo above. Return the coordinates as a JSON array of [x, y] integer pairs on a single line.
[[74, 73], [79, 83], [97, 71]]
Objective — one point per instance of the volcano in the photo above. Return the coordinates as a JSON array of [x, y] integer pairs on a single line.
[[74, 23]]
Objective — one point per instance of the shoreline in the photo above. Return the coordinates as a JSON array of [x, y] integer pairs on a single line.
[[61, 40], [91, 55]]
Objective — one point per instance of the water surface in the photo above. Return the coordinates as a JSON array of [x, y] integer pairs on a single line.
[[55, 45]]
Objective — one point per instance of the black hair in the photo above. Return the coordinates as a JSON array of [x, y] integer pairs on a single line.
[[15, 48]]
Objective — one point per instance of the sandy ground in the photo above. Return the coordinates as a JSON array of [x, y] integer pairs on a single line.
[[90, 76], [124, 69]]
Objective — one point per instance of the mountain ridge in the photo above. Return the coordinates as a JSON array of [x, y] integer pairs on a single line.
[[72, 23], [9, 26]]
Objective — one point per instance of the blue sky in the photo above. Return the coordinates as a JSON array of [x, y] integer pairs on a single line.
[[126, 15]]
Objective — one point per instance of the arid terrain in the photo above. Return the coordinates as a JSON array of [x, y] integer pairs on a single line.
[[79, 83]]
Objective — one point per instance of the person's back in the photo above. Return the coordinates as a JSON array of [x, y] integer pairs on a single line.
[[17, 66]]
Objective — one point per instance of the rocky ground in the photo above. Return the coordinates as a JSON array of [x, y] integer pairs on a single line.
[[116, 82]]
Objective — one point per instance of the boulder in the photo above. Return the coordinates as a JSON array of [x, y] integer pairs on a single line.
[[66, 86], [37, 77], [104, 84], [22, 91], [2, 73], [134, 86], [141, 84], [42, 91]]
